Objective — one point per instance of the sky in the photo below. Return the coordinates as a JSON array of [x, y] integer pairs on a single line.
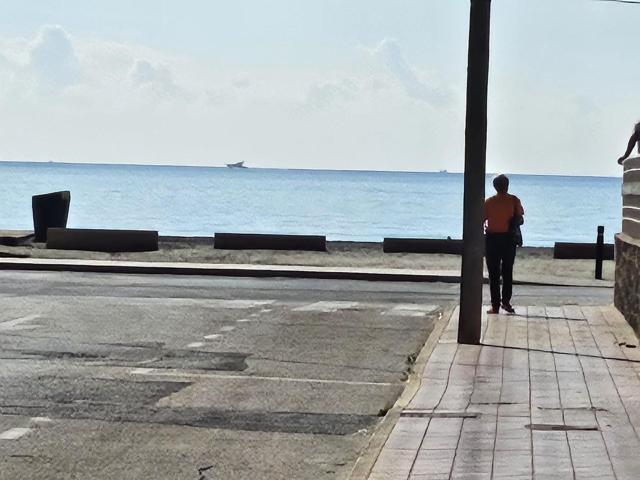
[[330, 84]]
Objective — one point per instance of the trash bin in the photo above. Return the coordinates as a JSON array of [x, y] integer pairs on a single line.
[[49, 210]]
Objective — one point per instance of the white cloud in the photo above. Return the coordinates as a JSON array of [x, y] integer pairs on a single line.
[[156, 79], [390, 55], [52, 59], [242, 83], [326, 94]]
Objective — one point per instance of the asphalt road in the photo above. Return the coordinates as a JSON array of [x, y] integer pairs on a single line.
[[133, 377]]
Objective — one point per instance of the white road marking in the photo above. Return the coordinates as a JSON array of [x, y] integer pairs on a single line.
[[41, 420], [242, 303], [195, 345], [416, 307], [411, 310], [326, 307], [14, 433], [141, 371], [266, 310], [168, 373], [243, 320], [227, 328], [213, 336], [404, 313], [16, 324]]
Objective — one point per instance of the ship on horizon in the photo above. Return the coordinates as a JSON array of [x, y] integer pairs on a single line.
[[236, 165]]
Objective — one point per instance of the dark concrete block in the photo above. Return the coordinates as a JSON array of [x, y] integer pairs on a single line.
[[422, 245], [95, 240], [49, 210], [253, 241], [581, 251]]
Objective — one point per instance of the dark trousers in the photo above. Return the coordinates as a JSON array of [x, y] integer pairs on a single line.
[[500, 254]]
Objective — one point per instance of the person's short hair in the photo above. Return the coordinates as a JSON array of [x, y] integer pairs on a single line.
[[501, 183]]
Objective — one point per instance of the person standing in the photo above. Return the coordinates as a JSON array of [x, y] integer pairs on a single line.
[[633, 140], [503, 214]]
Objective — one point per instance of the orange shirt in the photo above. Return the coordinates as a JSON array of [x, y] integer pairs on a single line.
[[499, 210]]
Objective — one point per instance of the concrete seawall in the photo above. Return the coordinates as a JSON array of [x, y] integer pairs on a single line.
[[627, 277]]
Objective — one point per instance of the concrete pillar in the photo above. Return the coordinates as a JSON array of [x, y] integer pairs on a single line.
[[474, 173]]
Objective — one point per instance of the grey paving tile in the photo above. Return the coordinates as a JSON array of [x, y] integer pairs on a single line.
[[567, 362], [514, 361], [515, 410], [472, 462], [433, 462], [495, 332], [573, 312], [512, 464], [552, 467], [551, 445], [394, 464], [436, 371], [428, 398], [541, 361], [594, 316], [550, 417], [407, 434], [440, 442], [467, 355], [515, 391], [443, 353], [626, 467], [581, 418], [485, 409]]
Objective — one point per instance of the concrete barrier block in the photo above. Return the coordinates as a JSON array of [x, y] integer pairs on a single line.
[[581, 251], [97, 240], [422, 245], [254, 241]]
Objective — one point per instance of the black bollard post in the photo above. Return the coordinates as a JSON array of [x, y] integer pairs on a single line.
[[599, 252]]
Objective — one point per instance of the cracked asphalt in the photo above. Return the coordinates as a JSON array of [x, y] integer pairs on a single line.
[[132, 377]]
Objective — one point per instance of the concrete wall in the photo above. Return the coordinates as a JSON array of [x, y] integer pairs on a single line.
[[627, 284]]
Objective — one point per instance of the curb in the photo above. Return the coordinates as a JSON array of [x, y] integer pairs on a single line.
[[256, 271]]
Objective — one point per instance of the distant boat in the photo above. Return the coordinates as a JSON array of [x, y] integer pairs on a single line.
[[442, 171], [236, 165]]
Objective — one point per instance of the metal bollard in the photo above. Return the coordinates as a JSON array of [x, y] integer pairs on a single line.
[[599, 252]]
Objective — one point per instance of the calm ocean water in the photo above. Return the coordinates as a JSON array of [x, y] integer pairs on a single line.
[[343, 205]]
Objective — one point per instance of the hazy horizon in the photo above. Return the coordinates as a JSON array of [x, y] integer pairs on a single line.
[[369, 85], [253, 167]]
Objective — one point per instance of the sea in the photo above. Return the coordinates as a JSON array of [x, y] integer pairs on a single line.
[[343, 205]]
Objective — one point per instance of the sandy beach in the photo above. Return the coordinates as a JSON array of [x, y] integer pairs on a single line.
[[532, 263]]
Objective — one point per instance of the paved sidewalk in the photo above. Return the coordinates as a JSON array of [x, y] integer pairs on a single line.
[[552, 393]]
